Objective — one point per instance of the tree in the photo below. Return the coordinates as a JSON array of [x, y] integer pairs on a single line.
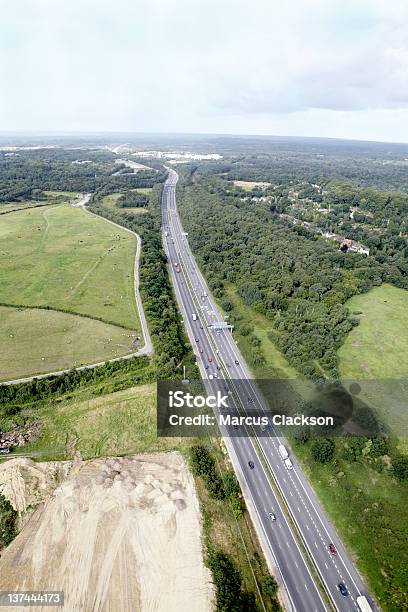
[[231, 485], [400, 468], [269, 586], [8, 517], [322, 450]]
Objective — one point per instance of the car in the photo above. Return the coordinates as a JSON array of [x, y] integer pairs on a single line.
[[201, 350], [201, 327], [218, 367], [250, 400], [332, 549], [197, 340], [236, 362], [210, 359], [251, 464], [272, 516], [343, 589], [206, 366]]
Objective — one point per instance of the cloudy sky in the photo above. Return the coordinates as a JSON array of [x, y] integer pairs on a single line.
[[306, 67]]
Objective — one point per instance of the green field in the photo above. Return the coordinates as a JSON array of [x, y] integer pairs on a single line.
[[115, 424], [378, 346], [377, 349], [61, 257], [36, 341]]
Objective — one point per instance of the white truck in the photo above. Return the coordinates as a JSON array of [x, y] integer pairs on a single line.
[[289, 464], [283, 452], [363, 604], [194, 316]]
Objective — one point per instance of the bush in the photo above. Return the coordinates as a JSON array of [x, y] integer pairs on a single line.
[[228, 585], [322, 450], [203, 464], [400, 468], [269, 586], [8, 517]]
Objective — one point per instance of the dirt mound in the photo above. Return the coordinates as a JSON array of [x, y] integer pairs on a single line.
[[117, 534]]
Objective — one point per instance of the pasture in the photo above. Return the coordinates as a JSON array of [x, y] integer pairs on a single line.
[[63, 258]]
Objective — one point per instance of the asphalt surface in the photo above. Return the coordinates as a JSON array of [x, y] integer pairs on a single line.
[[277, 537]]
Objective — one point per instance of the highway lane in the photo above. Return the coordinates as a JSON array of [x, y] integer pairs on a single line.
[[281, 546], [316, 531]]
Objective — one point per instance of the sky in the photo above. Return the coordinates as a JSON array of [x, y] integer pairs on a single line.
[[329, 68]]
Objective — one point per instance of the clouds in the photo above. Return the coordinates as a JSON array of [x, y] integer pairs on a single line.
[[195, 65]]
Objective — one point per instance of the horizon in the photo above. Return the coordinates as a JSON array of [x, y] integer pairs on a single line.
[[119, 133]]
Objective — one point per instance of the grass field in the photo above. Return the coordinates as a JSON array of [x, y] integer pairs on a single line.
[[114, 424], [36, 341], [378, 346], [58, 256], [377, 349]]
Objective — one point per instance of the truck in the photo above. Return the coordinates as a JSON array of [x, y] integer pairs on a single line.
[[194, 316], [283, 452], [363, 604], [288, 464]]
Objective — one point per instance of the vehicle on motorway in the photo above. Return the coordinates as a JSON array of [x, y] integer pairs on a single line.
[[166, 234], [251, 464], [342, 588], [332, 549], [210, 359], [201, 350], [194, 316], [283, 451], [263, 428], [206, 366], [211, 377], [289, 464], [178, 270], [363, 604], [272, 516], [197, 340], [236, 362]]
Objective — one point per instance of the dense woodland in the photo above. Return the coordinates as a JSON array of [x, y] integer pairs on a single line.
[[27, 174], [288, 272]]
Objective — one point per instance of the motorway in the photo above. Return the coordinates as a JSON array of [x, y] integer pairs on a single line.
[[278, 538]]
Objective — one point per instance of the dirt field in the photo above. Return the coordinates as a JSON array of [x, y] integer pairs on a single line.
[[116, 534]]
